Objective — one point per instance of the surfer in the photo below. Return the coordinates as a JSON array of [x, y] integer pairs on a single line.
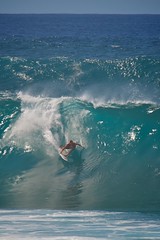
[[71, 145]]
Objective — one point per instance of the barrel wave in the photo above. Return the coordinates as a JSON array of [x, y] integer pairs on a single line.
[[104, 95]]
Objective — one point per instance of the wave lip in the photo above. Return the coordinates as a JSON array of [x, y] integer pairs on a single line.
[[128, 79]]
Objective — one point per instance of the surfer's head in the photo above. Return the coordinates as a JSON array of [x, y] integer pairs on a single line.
[[71, 141]]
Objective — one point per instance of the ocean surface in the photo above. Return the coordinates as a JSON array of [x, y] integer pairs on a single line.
[[94, 79]]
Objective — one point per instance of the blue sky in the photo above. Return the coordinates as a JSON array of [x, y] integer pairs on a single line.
[[81, 6]]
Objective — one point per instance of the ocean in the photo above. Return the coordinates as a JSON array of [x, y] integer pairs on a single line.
[[94, 79]]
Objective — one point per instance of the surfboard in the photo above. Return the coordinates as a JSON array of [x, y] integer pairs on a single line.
[[64, 153]]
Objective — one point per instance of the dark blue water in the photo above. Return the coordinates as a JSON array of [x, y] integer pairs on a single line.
[[91, 78]]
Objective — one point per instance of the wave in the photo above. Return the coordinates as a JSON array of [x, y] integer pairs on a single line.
[[119, 168], [100, 89]]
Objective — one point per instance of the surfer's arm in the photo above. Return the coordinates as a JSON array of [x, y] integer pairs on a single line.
[[79, 145]]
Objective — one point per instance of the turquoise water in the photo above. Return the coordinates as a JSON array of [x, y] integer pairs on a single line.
[[93, 79], [119, 167]]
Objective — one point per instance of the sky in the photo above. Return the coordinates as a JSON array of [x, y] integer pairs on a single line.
[[81, 6]]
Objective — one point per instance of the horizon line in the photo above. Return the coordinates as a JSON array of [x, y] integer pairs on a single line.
[[27, 13]]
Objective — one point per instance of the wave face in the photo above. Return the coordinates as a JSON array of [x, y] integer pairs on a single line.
[[107, 99], [118, 169]]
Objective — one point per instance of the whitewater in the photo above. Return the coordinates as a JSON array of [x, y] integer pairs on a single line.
[[100, 88]]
